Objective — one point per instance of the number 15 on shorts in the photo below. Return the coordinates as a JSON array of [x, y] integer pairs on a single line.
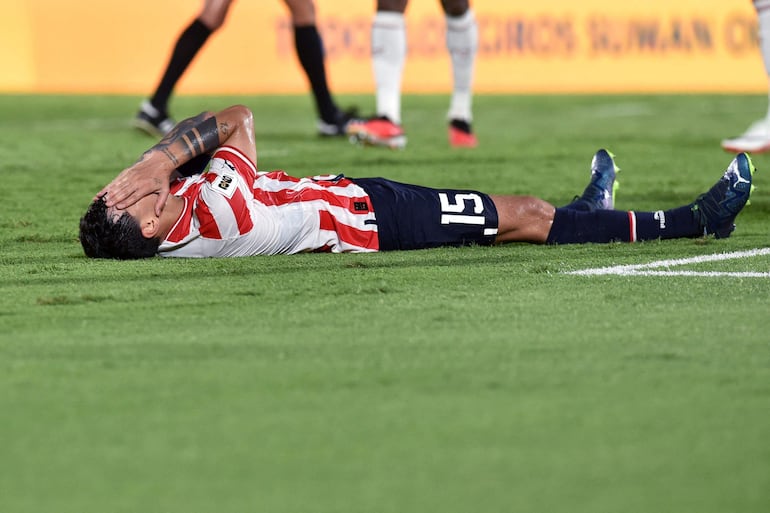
[[467, 208]]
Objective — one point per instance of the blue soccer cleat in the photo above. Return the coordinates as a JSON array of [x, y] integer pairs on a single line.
[[716, 209], [600, 192]]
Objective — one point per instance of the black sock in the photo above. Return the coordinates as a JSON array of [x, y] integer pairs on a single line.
[[574, 226], [668, 224], [579, 204], [187, 46], [309, 47]]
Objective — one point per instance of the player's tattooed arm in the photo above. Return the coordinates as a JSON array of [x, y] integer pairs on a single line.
[[190, 138]]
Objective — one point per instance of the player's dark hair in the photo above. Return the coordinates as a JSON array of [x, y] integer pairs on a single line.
[[121, 239]]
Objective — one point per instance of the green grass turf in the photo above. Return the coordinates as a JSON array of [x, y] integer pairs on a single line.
[[451, 380]]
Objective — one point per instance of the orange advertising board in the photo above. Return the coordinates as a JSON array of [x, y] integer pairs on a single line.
[[551, 46]]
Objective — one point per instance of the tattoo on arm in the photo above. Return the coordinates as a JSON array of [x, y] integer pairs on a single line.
[[190, 138], [170, 156], [201, 138], [183, 126]]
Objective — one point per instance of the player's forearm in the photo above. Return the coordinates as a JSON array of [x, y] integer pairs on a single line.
[[203, 134], [190, 138]]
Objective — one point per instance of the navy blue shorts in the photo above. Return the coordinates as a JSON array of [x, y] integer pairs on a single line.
[[415, 217]]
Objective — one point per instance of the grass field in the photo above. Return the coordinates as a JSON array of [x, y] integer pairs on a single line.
[[451, 380]]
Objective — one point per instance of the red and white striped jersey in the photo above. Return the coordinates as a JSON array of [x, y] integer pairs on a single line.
[[233, 210]]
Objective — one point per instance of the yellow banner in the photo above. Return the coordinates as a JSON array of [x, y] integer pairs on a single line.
[[552, 46]]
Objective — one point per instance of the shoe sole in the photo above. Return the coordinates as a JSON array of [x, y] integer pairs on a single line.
[[470, 144], [364, 139], [462, 139], [752, 170]]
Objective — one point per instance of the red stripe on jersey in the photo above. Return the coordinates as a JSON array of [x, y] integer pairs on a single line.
[[208, 225], [241, 211], [182, 227], [245, 167], [280, 176], [238, 205], [285, 196], [348, 234], [176, 185]]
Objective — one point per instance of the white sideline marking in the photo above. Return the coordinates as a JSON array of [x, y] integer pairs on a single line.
[[642, 269]]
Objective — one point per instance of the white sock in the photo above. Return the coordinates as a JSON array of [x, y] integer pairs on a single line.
[[462, 41], [763, 18], [388, 57]]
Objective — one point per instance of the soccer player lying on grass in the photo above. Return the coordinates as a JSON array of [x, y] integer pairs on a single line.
[[234, 210]]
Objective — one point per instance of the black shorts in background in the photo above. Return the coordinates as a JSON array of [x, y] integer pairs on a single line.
[[416, 217]]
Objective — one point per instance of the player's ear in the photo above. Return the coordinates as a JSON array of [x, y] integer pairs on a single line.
[[150, 227]]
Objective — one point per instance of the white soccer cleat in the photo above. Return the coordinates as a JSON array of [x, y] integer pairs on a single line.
[[754, 140]]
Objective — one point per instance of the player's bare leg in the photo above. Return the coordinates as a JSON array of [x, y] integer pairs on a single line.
[[462, 43], [523, 219], [388, 58]]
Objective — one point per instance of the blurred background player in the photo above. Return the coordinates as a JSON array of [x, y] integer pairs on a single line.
[[756, 138], [153, 116], [388, 57]]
